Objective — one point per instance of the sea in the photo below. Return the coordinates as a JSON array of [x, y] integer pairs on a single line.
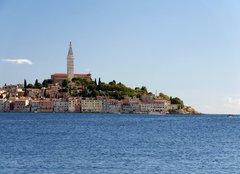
[[64, 143]]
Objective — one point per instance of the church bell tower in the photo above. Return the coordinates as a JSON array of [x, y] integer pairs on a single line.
[[70, 63]]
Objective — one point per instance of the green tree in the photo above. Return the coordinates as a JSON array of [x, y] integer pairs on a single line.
[[25, 87], [178, 101], [144, 89], [164, 96], [112, 83], [99, 81], [46, 82], [37, 84], [95, 81], [45, 93], [30, 85], [65, 83]]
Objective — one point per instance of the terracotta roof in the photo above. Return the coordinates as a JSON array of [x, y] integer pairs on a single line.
[[65, 75]]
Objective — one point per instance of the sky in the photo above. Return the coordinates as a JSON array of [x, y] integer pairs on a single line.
[[187, 49]]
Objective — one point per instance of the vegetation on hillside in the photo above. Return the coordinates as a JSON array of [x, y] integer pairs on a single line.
[[92, 88]]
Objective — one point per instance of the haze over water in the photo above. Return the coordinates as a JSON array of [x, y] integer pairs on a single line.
[[108, 143]]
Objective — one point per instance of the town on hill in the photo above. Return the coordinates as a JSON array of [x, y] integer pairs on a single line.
[[79, 93]]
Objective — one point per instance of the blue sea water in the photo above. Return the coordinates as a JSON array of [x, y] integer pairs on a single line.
[[116, 144]]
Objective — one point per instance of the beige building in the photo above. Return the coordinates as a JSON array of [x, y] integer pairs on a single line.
[[72, 102], [91, 105]]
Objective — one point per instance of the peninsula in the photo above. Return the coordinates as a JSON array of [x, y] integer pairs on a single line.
[[72, 92]]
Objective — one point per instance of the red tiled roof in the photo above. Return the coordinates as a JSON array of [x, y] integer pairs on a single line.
[[65, 75]]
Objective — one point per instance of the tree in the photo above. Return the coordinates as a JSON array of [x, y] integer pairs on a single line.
[[65, 83], [25, 83], [25, 87], [95, 81], [112, 83], [30, 85], [164, 96], [178, 101], [46, 82], [37, 84], [99, 81], [144, 89], [45, 93]]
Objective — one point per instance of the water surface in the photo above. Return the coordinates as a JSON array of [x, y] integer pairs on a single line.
[[115, 144]]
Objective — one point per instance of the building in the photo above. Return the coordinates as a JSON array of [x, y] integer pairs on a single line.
[[72, 102], [52, 91], [34, 105], [78, 105], [21, 105], [8, 106], [174, 106], [2, 103], [59, 77], [60, 105], [91, 105], [112, 106], [14, 90], [34, 93], [45, 106], [131, 105]]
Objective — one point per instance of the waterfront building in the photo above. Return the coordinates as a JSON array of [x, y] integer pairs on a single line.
[[60, 105], [2, 103], [21, 105], [131, 105], [8, 106], [146, 107], [113, 106], [72, 102], [45, 106], [131, 108], [91, 105], [155, 106], [78, 104], [173, 106], [34, 105]]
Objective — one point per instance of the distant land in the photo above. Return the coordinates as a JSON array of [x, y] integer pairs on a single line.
[[70, 92]]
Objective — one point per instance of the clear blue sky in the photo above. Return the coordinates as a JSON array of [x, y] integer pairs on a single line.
[[189, 49]]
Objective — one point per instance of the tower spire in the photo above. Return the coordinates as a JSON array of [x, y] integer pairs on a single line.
[[70, 63]]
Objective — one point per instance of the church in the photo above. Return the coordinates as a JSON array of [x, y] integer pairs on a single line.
[[59, 77]]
